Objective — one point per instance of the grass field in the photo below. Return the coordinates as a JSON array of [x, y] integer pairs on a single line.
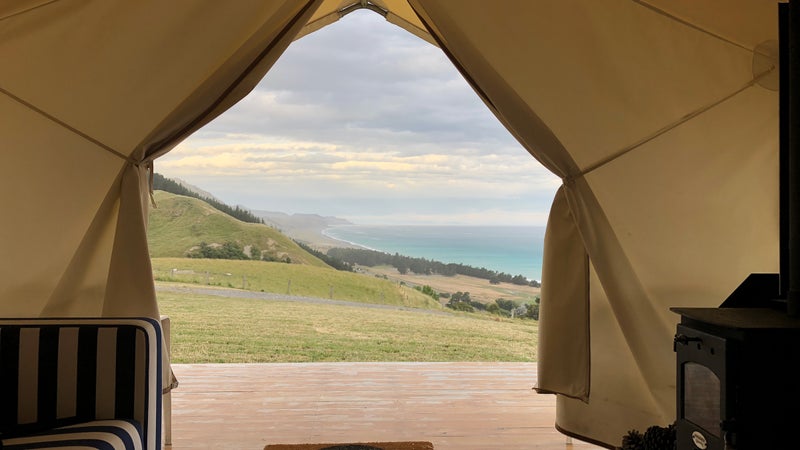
[[217, 330], [293, 279]]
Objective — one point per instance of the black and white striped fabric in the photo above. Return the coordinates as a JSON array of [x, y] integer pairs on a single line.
[[104, 374], [101, 435]]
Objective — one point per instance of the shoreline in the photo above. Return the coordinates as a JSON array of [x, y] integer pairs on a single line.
[[316, 238], [480, 289], [513, 269], [348, 244]]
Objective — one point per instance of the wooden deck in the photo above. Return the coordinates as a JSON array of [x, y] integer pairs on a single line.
[[456, 406]]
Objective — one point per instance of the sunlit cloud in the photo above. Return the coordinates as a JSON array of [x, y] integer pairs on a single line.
[[305, 161]]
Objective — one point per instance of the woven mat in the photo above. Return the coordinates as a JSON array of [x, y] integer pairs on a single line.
[[356, 446]]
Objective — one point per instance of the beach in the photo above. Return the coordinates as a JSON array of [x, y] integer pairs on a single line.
[[480, 289]]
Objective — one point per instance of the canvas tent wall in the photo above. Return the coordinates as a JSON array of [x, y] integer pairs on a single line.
[[660, 117]]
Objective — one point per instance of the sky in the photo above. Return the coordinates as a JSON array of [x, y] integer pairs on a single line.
[[364, 121]]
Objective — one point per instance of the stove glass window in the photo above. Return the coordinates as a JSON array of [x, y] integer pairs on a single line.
[[701, 397]]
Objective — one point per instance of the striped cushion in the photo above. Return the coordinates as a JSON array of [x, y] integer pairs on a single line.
[[101, 434], [57, 372]]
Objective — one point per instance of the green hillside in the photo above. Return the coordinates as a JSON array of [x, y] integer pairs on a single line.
[[180, 224], [292, 279]]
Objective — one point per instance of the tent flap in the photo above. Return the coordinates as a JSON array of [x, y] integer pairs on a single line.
[[564, 366]]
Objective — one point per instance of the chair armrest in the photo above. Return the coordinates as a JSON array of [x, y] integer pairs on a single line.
[[62, 371]]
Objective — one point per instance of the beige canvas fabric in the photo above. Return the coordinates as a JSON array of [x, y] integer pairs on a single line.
[[660, 116], [397, 12], [91, 93], [654, 118]]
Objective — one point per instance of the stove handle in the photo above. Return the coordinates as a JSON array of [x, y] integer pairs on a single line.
[[683, 340]]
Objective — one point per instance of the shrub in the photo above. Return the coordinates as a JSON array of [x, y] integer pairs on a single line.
[[533, 310], [507, 305], [228, 250], [461, 301], [461, 306], [427, 290]]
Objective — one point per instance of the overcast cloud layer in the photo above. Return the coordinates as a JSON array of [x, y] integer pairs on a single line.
[[365, 121]]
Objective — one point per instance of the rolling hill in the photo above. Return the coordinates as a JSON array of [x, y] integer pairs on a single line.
[[180, 224]]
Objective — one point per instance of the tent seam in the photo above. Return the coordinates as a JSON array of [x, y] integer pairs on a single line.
[[596, 165], [664, 13], [67, 126], [47, 3]]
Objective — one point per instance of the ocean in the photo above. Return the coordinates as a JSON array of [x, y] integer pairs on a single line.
[[515, 250]]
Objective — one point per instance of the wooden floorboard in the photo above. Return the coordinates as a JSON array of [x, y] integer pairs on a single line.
[[456, 406]]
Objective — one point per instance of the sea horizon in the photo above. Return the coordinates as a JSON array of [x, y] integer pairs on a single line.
[[510, 249]]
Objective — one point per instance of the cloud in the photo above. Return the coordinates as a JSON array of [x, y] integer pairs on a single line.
[[363, 119], [307, 161], [366, 82]]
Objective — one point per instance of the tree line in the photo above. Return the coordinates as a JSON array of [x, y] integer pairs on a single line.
[[336, 263], [163, 183], [423, 266]]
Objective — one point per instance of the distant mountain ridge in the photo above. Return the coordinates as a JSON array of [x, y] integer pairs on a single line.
[[297, 226], [201, 192], [300, 220]]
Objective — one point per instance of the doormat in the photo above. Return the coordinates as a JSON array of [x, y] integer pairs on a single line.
[[354, 446]]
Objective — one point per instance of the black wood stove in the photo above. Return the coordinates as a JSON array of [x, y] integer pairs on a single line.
[[737, 379], [738, 366]]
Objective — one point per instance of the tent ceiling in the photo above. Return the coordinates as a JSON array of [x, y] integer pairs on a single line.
[[398, 12], [746, 23]]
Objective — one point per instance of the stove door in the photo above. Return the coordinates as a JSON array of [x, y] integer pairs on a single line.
[[701, 389]]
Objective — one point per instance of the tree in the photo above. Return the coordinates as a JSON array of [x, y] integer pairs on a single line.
[[202, 251], [232, 250], [533, 310], [461, 301], [427, 290], [507, 305], [460, 297], [461, 306]]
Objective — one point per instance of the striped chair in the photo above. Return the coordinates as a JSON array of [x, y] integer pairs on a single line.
[[91, 383]]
